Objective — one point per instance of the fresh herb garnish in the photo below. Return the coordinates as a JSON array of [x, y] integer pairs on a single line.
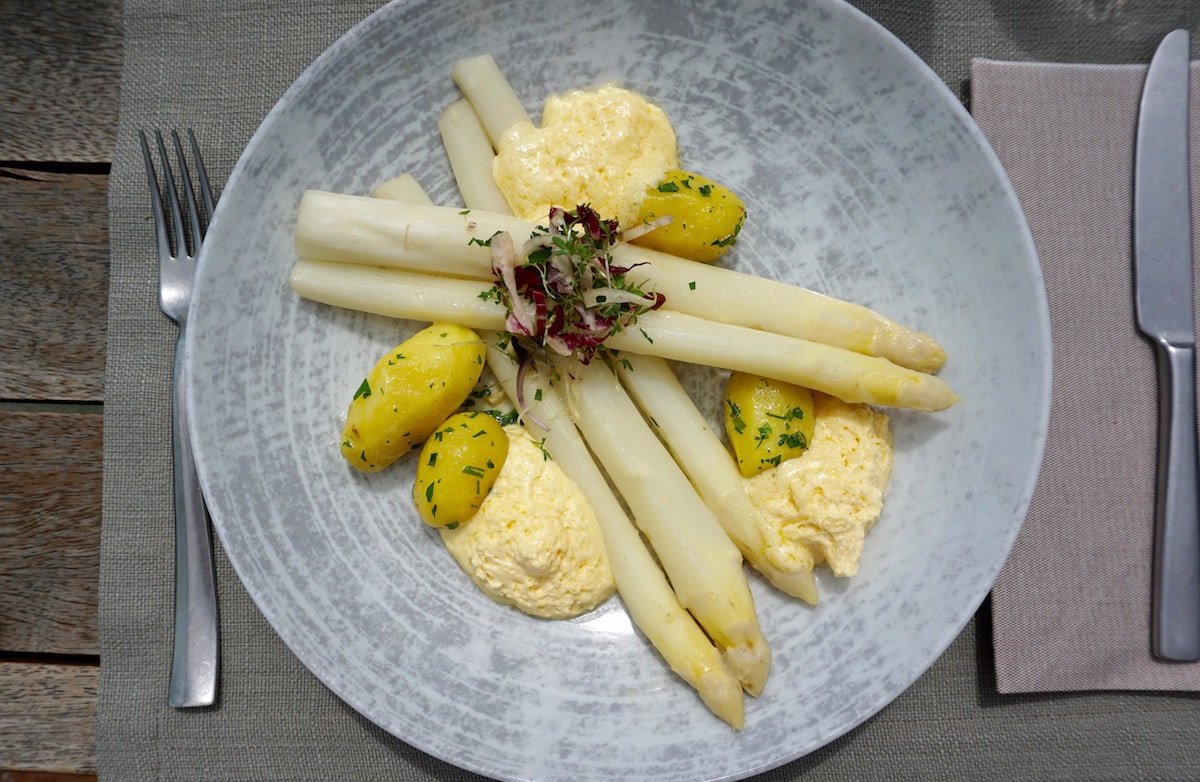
[[729, 240], [735, 416], [562, 290], [480, 242], [793, 440], [504, 418]]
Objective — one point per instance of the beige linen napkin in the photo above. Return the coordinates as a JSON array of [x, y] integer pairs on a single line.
[[1071, 609]]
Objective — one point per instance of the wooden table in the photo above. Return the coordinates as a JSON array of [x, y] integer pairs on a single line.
[[60, 69]]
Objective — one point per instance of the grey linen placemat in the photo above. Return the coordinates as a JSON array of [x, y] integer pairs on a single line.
[[218, 67], [1072, 606]]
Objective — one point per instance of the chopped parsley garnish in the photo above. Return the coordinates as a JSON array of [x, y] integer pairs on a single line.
[[793, 440], [735, 416], [729, 240], [504, 418]]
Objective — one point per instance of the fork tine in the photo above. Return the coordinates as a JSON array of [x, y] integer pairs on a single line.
[[172, 196], [189, 195], [160, 221], [202, 174]]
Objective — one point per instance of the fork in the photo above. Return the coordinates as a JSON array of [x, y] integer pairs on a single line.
[[194, 661]]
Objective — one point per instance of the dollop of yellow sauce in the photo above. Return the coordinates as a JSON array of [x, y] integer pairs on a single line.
[[819, 507], [601, 147], [534, 543]]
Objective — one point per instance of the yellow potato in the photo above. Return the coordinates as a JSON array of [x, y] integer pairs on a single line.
[[705, 216], [458, 467], [767, 421], [409, 393]]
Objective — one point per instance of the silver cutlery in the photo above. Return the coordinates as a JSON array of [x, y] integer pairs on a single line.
[[1163, 283], [195, 657]]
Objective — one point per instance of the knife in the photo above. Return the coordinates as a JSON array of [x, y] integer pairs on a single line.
[[1162, 230]]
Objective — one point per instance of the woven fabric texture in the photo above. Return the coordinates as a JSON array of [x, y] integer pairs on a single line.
[[1072, 606], [218, 68]]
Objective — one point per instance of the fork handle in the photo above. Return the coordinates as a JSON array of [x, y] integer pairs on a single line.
[[1176, 621], [194, 662]]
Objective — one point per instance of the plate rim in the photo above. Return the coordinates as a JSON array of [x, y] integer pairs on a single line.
[[1045, 362]]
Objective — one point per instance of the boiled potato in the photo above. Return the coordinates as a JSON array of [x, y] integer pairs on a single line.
[[409, 393], [458, 467], [705, 216], [767, 421]]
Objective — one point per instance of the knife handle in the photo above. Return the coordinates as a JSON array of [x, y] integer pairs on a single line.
[[1176, 617]]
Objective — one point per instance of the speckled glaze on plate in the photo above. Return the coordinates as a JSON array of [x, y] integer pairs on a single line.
[[864, 178]]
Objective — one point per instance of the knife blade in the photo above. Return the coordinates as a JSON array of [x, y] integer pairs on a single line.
[[1163, 283]]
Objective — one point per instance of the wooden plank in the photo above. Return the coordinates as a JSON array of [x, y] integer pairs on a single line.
[[60, 74], [50, 509], [54, 285], [48, 717], [8, 775]]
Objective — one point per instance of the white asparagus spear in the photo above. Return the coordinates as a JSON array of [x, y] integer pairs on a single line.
[[494, 100], [796, 312], [699, 451], [849, 376], [644, 589], [352, 229], [702, 563], [852, 377], [404, 187], [471, 157], [647, 595]]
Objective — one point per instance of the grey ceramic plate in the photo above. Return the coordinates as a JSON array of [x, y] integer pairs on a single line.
[[864, 177]]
